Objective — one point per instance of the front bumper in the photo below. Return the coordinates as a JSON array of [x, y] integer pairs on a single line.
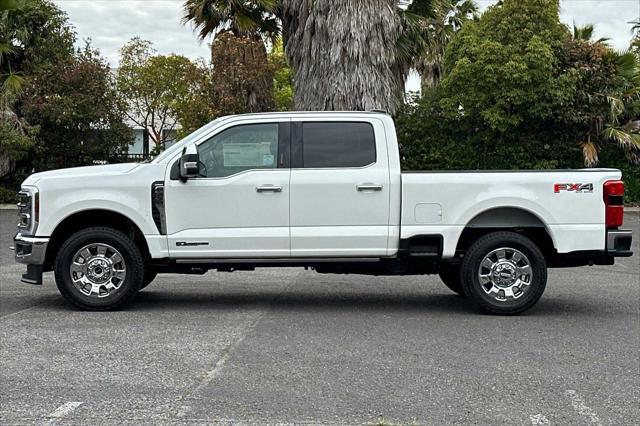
[[619, 243], [31, 251]]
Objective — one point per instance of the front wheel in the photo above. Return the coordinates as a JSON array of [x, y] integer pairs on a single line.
[[504, 273], [99, 269]]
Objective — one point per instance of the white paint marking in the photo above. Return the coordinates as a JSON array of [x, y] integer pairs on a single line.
[[211, 374], [65, 409], [581, 407], [539, 419]]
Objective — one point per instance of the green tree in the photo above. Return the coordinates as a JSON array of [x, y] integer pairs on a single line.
[[154, 88], [520, 92], [75, 105], [282, 77], [604, 108], [34, 35], [622, 125], [502, 83], [200, 104]]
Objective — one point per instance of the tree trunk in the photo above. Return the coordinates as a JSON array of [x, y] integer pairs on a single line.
[[343, 53], [430, 75], [241, 69]]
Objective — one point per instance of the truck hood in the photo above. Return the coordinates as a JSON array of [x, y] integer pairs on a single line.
[[80, 172]]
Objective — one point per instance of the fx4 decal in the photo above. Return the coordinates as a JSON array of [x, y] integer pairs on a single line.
[[572, 187]]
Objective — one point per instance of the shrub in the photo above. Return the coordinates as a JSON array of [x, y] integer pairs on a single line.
[[8, 196]]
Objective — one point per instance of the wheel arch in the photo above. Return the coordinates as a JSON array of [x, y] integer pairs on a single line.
[[501, 218], [93, 217]]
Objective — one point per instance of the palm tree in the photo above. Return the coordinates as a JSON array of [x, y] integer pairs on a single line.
[[343, 53], [623, 124], [12, 81], [246, 24], [635, 42], [352, 54], [585, 33], [11, 84], [620, 121], [444, 19], [240, 17]]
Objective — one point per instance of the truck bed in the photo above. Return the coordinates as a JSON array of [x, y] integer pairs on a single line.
[[568, 203]]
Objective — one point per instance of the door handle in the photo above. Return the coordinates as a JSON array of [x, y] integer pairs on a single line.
[[369, 187], [268, 188]]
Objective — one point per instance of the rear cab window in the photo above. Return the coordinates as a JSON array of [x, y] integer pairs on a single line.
[[337, 144]]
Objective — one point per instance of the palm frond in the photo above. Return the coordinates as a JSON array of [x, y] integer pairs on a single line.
[[584, 32], [13, 83], [627, 63], [625, 140], [616, 108], [590, 154]]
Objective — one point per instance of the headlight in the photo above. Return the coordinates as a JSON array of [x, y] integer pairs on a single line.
[[28, 210]]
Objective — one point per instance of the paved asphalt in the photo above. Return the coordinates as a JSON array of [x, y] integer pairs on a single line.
[[293, 346]]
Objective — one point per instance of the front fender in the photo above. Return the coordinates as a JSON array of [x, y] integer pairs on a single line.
[[54, 209]]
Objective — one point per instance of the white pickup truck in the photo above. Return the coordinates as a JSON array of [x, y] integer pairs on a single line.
[[317, 189]]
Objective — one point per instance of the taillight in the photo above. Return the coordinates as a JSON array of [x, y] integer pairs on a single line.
[[613, 192]]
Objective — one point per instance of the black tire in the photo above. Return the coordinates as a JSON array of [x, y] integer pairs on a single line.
[[133, 274], [450, 276], [149, 276], [471, 266]]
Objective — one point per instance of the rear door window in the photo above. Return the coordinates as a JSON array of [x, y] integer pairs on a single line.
[[338, 144]]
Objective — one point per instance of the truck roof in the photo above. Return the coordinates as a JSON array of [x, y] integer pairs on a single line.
[[292, 113]]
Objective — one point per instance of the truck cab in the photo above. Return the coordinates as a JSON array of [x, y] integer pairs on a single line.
[[318, 189]]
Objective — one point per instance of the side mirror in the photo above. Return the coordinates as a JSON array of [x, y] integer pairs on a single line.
[[189, 163]]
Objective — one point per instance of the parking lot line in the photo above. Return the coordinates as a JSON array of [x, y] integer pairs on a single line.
[[63, 411], [582, 408]]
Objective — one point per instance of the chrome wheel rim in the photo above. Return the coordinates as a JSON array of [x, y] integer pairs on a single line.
[[505, 274], [98, 270]]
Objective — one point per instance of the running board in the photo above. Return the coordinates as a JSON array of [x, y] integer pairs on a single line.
[[298, 260]]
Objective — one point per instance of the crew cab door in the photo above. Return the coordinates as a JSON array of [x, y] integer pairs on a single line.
[[339, 188], [239, 207]]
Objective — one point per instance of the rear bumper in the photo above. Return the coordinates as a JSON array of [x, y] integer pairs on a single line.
[[31, 251], [619, 243]]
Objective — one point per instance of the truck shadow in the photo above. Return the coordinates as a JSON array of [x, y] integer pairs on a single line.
[[187, 300], [161, 300], [309, 302], [174, 301]]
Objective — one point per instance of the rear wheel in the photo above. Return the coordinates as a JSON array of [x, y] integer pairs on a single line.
[[99, 269], [504, 273], [450, 276]]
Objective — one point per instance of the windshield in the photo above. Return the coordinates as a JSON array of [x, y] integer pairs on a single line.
[[191, 137]]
